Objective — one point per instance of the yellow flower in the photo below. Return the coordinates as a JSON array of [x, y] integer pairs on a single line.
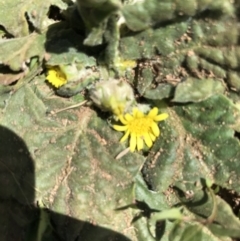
[[56, 77], [140, 127], [124, 65]]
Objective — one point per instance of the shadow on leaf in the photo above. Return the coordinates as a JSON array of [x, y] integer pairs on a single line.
[[21, 218]]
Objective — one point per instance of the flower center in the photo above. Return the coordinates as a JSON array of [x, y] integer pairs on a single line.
[[140, 125]]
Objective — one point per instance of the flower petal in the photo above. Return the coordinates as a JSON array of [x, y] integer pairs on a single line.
[[152, 136], [161, 117], [139, 143], [139, 114], [120, 128], [148, 139], [126, 135], [128, 117], [133, 142], [121, 118], [153, 112], [56, 77], [155, 129], [118, 109], [135, 111], [52, 72]]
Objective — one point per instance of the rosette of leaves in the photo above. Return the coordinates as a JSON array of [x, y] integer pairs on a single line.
[[187, 52]]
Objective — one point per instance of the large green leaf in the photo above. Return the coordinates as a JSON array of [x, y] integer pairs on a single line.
[[78, 150], [197, 142], [18, 16], [141, 15], [17, 53], [195, 90]]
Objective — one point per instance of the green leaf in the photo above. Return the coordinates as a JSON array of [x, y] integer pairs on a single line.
[[149, 42], [199, 136], [190, 233], [17, 53], [187, 53], [63, 50], [173, 213], [83, 174], [95, 15], [142, 15], [20, 12], [195, 90]]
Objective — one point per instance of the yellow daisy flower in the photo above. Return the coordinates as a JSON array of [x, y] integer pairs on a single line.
[[56, 77], [140, 127]]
